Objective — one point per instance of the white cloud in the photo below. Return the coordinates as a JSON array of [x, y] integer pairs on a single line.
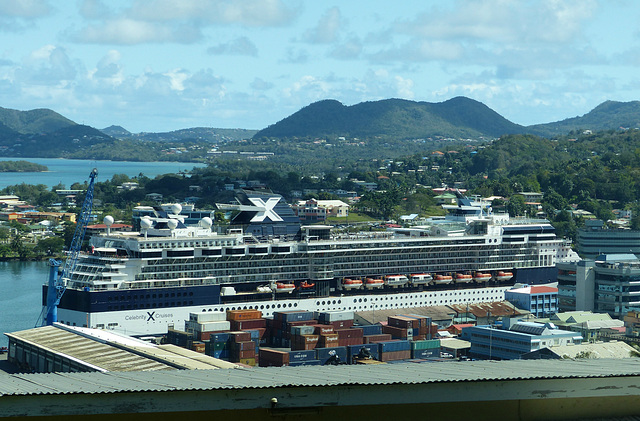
[[251, 13], [327, 29], [241, 46], [129, 32], [24, 9]]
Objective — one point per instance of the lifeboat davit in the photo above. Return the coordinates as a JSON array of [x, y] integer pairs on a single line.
[[463, 278], [443, 279], [284, 287], [373, 283], [351, 283], [480, 277], [420, 278], [504, 276]]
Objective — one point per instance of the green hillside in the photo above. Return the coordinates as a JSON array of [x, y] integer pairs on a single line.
[[458, 117], [33, 121], [606, 116]]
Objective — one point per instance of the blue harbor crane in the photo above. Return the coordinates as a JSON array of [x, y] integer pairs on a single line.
[[57, 284]]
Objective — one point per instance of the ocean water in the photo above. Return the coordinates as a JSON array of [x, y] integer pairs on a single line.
[[69, 171], [20, 295]]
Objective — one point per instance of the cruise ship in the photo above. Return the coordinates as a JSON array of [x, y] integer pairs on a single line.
[[141, 282]]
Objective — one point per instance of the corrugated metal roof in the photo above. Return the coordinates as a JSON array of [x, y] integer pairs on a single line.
[[327, 376], [496, 309], [435, 312], [96, 354]]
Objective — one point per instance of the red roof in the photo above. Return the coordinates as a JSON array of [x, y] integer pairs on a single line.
[[542, 290]]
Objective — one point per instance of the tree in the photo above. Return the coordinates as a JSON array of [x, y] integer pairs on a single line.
[[50, 246], [516, 205]]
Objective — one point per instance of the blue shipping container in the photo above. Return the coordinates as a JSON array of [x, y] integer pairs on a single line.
[[392, 346], [371, 330], [302, 355], [354, 350], [426, 353], [219, 337], [323, 354]]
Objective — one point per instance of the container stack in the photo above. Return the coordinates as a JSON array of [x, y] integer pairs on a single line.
[[395, 350], [306, 338], [428, 348], [243, 349]]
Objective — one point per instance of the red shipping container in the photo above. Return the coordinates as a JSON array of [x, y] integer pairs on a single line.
[[395, 355], [397, 332], [349, 333], [273, 358], [372, 339], [247, 353], [341, 324], [248, 324], [403, 322], [350, 341], [323, 329], [242, 346], [328, 341], [239, 336]]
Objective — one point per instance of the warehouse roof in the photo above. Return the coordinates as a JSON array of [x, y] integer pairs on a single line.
[[103, 350], [311, 376]]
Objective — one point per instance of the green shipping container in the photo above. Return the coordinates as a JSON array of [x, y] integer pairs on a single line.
[[425, 344]]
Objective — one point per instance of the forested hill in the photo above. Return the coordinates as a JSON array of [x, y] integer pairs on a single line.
[[458, 117], [606, 116]]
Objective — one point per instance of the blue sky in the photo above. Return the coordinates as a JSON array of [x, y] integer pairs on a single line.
[[160, 65]]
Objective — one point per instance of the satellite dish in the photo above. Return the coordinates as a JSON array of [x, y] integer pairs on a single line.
[[172, 223], [206, 222], [145, 223], [108, 221], [176, 208]]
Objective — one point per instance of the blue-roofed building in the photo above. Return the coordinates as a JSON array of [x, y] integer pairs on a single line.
[[515, 338]]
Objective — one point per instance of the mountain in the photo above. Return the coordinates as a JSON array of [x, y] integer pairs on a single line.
[[116, 131], [458, 117], [33, 121], [606, 116], [195, 134]]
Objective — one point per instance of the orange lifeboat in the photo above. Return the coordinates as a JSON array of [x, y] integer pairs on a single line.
[[350, 284], [463, 278], [373, 283], [306, 285], [443, 279], [480, 277], [284, 287], [504, 276]]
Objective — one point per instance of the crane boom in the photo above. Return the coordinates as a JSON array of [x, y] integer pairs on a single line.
[[57, 281]]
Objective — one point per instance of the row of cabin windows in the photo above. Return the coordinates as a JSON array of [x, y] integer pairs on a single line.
[[149, 296], [149, 305]]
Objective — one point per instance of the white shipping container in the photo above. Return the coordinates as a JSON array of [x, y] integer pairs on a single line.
[[336, 316], [213, 326], [207, 317]]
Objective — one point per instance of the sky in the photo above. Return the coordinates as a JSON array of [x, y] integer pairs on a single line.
[[162, 65]]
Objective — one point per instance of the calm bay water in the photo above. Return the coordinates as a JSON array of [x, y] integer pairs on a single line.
[[69, 171], [20, 295]]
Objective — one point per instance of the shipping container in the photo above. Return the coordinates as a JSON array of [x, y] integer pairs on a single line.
[[248, 324], [327, 317], [356, 350], [208, 316], [292, 316], [395, 346], [395, 355], [426, 344], [324, 354], [239, 336], [243, 314], [302, 355], [383, 337], [269, 357], [426, 353], [368, 330]]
